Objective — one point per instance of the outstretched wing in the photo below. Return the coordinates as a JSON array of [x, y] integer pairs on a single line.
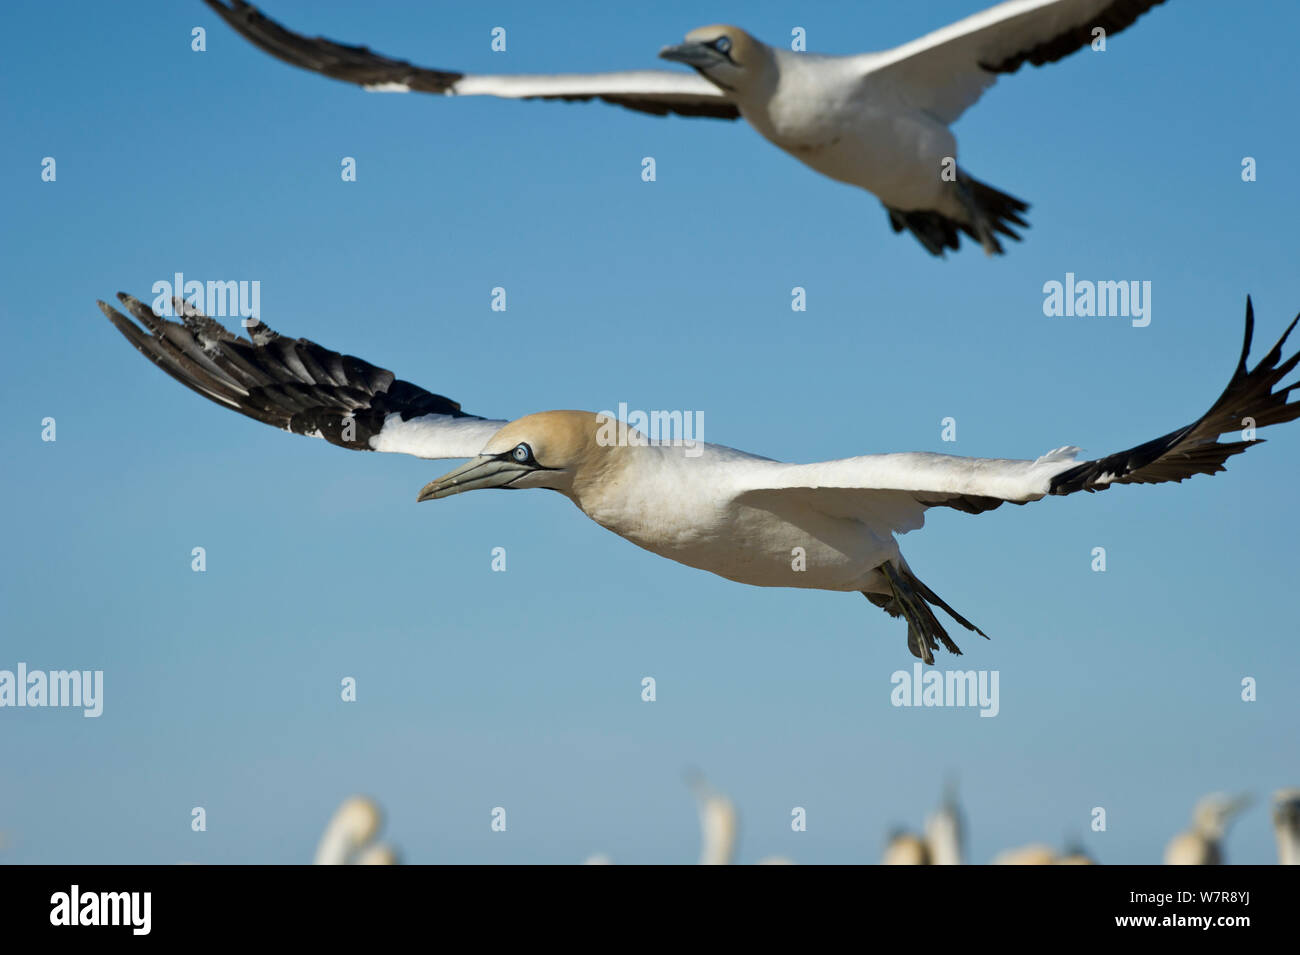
[[1249, 402], [946, 71], [891, 492], [297, 385], [647, 91]]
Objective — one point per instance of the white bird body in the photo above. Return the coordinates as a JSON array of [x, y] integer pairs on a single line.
[[692, 510], [831, 525], [833, 114], [878, 121], [741, 516]]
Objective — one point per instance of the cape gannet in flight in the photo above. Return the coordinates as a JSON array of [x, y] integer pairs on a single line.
[[875, 120], [828, 526]]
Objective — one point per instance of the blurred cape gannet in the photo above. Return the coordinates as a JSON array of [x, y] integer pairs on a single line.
[[1286, 825], [349, 837], [944, 831], [1038, 854], [737, 515], [906, 848], [1203, 843], [942, 842], [719, 822], [875, 120]]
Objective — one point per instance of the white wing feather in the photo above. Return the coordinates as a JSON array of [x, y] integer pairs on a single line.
[[945, 73]]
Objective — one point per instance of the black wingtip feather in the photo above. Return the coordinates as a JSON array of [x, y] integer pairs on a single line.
[[1251, 399], [1112, 18], [1246, 339], [293, 384]]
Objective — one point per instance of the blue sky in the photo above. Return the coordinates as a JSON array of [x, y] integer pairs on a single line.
[[522, 689]]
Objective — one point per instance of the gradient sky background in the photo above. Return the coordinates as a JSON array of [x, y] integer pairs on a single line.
[[481, 689]]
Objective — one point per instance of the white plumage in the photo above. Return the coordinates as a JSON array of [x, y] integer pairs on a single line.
[[349, 837], [874, 120], [832, 525]]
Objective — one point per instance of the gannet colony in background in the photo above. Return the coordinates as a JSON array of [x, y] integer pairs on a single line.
[[828, 526], [944, 840], [875, 120], [719, 827]]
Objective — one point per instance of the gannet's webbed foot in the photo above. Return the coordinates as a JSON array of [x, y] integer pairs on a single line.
[[989, 213], [936, 232], [911, 599], [978, 219]]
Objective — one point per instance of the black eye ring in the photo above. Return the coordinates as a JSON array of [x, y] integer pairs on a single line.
[[722, 44], [522, 453]]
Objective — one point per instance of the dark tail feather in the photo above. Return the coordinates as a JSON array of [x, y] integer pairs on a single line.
[[991, 212], [934, 231], [911, 599]]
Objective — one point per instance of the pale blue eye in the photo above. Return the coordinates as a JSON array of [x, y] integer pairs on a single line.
[[523, 453], [722, 44]]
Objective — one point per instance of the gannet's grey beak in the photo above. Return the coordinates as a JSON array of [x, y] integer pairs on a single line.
[[698, 55], [483, 471]]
